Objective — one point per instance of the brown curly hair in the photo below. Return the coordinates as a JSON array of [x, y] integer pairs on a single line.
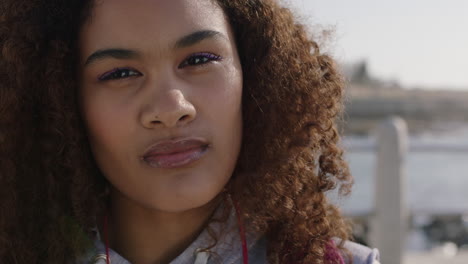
[[51, 188]]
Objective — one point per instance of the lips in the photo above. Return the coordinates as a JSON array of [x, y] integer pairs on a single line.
[[175, 153]]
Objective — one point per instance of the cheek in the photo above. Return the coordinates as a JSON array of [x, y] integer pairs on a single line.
[[225, 103], [232, 102], [105, 124], [227, 113]]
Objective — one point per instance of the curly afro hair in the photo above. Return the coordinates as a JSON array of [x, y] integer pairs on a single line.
[[52, 190]]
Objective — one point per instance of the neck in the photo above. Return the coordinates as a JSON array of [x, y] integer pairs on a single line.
[[145, 235]]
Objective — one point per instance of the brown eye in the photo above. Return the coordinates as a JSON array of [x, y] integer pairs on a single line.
[[119, 73], [199, 59]]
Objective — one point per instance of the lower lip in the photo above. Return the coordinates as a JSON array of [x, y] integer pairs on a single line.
[[176, 160]]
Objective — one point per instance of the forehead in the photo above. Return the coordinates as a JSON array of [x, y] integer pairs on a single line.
[[124, 22]]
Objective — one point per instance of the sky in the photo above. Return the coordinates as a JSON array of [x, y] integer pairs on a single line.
[[419, 43]]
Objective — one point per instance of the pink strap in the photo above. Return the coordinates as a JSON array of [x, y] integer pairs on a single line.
[[107, 240], [332, 253], [245, 253]]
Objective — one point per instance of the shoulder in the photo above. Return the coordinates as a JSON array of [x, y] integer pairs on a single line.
[[362, 254]]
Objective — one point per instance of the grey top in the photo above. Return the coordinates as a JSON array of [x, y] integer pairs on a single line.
[[362, 254], [228, 250]]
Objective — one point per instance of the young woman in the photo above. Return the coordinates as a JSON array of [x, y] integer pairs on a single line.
[[157, 131]]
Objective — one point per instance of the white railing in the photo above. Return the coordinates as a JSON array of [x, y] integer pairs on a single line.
[[390, 216]]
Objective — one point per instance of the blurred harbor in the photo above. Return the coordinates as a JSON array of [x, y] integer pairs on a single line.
[[434, 211], [438, 181], [432, 169], [370, 100]]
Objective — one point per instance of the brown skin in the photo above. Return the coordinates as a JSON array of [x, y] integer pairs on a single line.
[[289, 156], [146, 236], [157, 212]]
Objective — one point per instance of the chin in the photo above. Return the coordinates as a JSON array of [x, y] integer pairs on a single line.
[[191, 191], [188, 200], [183, 206]]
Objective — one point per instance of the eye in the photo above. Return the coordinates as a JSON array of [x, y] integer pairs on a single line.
[[118, 73], [199, 59]]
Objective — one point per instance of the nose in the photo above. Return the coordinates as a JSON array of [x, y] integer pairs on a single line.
[[169, 108]]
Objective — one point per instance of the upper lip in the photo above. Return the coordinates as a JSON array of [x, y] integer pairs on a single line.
[[165, 147]]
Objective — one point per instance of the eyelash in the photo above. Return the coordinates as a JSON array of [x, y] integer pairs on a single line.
[[200, 58], [118, 73], [196, 59]]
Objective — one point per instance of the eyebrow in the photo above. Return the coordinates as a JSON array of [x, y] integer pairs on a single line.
[[123, 54], [111, 53], [196, 37]]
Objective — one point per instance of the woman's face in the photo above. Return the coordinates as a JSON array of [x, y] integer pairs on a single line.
[[160, 94]]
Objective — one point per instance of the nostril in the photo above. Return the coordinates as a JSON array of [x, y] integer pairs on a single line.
[[185, 117], [156, 122]]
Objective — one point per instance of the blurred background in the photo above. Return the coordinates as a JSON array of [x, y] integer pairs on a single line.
[[406, 122]]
